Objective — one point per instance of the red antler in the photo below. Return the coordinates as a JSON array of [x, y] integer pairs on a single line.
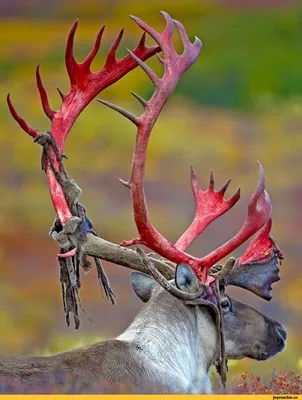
[[84, 87], [210, 204], [258, 268], [174, 67], [262, 248], [259, 213]]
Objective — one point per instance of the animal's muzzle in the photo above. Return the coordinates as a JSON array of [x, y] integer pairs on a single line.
[[275, 344], [282, 332]]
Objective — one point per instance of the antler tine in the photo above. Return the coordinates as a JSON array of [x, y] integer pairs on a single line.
[[70, 61], [186, 42], [121, 111], [110, 60], [43, 95], [145, 27], [211, 181], [93, 52], [154, 78], [23, 124], [84, 87], [259, 213], [139, 98], [259, 190], [209, 206], [225, 186]]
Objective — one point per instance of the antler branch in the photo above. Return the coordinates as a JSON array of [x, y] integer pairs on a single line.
[[210, 204], [174, 67], [259, 213], [84, 87]]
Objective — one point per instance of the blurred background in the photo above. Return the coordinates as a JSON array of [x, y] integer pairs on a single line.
[[241, 102]]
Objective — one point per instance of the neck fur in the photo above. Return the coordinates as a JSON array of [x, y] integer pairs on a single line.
[[176, 341]]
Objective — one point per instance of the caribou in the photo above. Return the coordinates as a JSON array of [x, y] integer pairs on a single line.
[[188, 322]]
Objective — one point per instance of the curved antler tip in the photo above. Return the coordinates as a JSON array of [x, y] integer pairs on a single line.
[[62, 95], [193, 173], [125, 183], [261, 173], [260, 166], [142, 41], [165, 14], [225, 186], [211, 182], [74, 27], [75, 24], [197, 41], [9, 102]]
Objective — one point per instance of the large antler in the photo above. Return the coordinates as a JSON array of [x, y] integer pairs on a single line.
[[84, 87], [72, 228], [210, 204], [78, 233], [174, 67]]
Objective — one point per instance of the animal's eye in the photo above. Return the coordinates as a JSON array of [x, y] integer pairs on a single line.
[[225, 304]]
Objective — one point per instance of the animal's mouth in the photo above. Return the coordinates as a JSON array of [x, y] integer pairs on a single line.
[[263, 356], [260, 354]]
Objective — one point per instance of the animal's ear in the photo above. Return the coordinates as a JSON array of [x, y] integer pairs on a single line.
[[186, 279], [142, 285]]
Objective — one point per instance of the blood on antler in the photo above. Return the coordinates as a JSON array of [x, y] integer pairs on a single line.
[[210, 204], [71, 216], [85, 85], [257, 269]]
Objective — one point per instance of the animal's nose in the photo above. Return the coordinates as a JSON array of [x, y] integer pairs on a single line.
[[282, 332]]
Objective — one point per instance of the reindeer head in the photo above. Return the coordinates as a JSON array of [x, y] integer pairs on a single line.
[[255, 270], [247, 332]]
